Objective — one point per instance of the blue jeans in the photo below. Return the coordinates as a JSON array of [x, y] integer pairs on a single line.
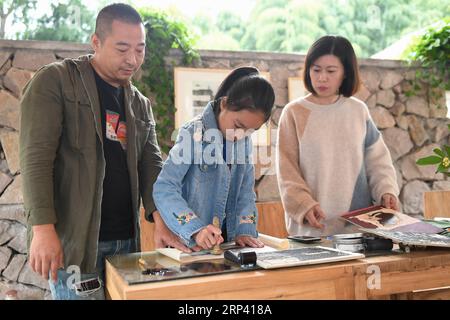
[[62, 290]]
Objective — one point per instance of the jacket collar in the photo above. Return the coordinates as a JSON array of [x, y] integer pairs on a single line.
[[209, 118], [83, 64], [209, 122]]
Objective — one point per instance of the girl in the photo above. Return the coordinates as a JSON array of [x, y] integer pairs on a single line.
[[331, 158], [209, 172]]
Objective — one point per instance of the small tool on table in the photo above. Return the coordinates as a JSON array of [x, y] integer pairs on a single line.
[[147, 269], [143, 263], [216, 249]]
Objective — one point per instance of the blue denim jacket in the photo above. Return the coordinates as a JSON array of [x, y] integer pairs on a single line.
[[195, 183]]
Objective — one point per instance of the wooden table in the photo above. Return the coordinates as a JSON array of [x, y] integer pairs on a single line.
[[400, 275]]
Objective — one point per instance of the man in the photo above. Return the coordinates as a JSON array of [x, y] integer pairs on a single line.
[[88, 152]]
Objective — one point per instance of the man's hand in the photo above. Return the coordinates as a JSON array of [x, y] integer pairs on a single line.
[[163, 237], [208, 237], [46, 252], [313, 217]]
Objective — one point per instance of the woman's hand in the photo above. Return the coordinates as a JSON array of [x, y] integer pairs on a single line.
[[248, 241], [389, 201], [313, 217], [208, 237]]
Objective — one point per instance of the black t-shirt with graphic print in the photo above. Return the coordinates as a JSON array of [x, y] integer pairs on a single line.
[[117, 209]]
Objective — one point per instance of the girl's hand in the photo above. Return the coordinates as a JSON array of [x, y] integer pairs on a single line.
[[389, 201], [248, 241], [208, 237], [313, 217]]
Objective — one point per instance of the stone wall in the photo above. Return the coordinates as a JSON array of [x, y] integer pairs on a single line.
[[17, 66], [411, 127]]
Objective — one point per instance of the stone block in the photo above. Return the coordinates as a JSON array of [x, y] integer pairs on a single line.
[[5, 256], [386, 98], [418, 105], [10, 144], [32, 59], [390, 78], [5, 180], [9, 110], [417, 130], [15, 212], [19, 242], [382, 117], [5, 233], [398, 142], [13, 194], [412, 197], [15, 267], [16, 79]]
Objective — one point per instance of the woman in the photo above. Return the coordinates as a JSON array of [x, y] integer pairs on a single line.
[[331, 158]]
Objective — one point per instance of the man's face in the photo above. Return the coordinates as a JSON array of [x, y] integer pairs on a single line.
[[120, 54]]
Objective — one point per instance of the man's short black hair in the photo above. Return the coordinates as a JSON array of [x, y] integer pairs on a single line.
[[116, 11]]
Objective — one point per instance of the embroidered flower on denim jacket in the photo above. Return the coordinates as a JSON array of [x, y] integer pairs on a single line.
[[251, 218], [184, 218]]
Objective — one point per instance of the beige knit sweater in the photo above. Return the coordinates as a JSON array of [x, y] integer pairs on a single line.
[[332, 155]]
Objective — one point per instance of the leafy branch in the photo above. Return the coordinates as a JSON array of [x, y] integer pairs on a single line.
[[432, 51], [441, 159], [162, 34]]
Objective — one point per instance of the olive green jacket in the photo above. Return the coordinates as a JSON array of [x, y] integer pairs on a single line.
[[62, 160]]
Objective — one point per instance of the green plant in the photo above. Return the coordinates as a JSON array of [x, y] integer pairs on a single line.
[[162, 34], [441, 159], [432, 51]]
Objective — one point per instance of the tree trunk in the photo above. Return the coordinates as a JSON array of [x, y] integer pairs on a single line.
[[3, 16], [2, 26]]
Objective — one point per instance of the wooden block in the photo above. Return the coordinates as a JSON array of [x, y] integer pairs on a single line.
[[274, 242], [435, 294], [271, 219], [147, 232], [437, 204], [216, 249]]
